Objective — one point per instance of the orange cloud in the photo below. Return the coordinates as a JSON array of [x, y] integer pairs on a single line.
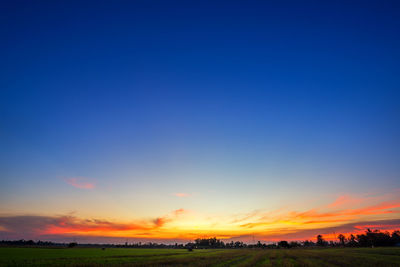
[[315, 216], [328, 232], [70, 224], [345, 200], [160, 221], [383, 208], [81, 183]]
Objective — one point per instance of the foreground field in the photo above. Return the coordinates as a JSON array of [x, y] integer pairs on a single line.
[[209, 257]]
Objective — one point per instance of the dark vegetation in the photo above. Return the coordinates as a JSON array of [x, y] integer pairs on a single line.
[[311, 257], [370, 238]]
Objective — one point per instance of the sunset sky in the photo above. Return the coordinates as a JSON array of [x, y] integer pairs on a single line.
[[171, 120]]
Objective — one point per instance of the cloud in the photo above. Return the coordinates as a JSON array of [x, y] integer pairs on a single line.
[[43, 225], [31, 226], [345, 209], [345, 200], [160, 221], [34, 225], [81, 182], [329, 233], [26, 224], [333, 231], [179, 211], [182, 194]]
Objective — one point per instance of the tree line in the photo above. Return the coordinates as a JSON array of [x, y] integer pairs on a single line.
[[371, 238]]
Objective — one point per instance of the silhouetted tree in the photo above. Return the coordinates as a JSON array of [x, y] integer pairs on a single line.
[[209, 243], [283, 244], [352, 241], [395, 238], [342, 239], [320, 241], [375, 238]]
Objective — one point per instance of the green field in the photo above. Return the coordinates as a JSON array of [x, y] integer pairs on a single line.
[[207, 257]]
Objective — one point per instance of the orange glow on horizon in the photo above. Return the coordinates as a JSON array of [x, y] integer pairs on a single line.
[[185, 224]]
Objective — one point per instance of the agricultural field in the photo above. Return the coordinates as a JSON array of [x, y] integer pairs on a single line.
[[206, 257]]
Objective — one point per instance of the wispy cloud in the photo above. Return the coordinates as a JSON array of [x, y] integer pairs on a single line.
[[179, 212], [160, 221], [315, 216], [182, 194], [81, 182], [346, 200]]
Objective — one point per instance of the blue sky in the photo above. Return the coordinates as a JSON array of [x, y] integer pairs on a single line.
[[252, 103]]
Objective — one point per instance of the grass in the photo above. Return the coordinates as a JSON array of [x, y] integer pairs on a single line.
[[11, 256]]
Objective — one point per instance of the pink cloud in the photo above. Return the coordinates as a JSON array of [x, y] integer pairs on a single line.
[[182, 195], [180, 211], [81, 183]]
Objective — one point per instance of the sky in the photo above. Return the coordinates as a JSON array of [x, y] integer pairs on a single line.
[[172, 120]]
